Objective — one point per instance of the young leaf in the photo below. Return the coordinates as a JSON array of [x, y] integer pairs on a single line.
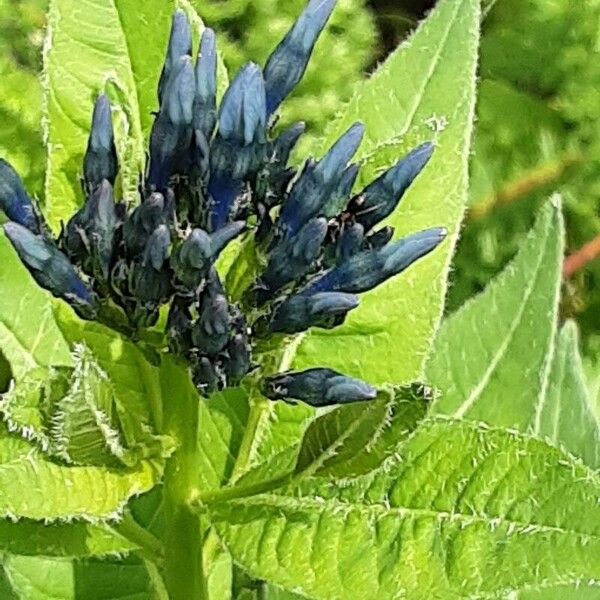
[[482, 508], [495, 361], [424, 91], [29, 336], [32, 486], [76, 540], [355, 439], [102, 43]]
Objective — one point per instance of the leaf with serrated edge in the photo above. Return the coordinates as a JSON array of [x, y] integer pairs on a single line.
[[496, 359], [424, 91], [76, 540], [32, 486], [355, 439], [482, 508]]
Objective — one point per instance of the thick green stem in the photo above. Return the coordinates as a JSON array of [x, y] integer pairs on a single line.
[[183, 531]]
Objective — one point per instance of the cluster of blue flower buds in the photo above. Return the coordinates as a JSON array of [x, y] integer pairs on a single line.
[[216, 172]]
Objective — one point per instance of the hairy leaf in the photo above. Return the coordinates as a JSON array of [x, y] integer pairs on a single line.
[[34, 487], [424, 91], [482, 508], [496, 359]]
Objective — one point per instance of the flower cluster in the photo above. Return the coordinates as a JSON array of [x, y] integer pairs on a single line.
[[216, 172]]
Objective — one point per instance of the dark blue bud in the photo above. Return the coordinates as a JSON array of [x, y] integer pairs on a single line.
[[14, 200], [379, 238], [335, 161], [339, 198], [172, 130], [238, 362], [180, 44], [286, 142], [99, 222], [293, 258], [151, 283], [179, 327], [319, 182], [210, 333], [142, 222], [350, 242], [158, 248], [51, 268], [369, 268], [237, 150], [382, 196], [205, 101], [206, 376], [100, 160], [318, 387], [197, 253], [286, 66], [242, 115], [299, 313]]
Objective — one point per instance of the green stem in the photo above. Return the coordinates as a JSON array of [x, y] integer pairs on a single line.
[[183, 532], [150, 547]]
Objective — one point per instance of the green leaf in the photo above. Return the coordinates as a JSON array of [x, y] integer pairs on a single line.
[[135, 379], [76, 540], [482, 508], [424, 91], [114, 44], [53, 579], [29, 336], [32, 486], [495, 359], [355, 439], [567, 415]]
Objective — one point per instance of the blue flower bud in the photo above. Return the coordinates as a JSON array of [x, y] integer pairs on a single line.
[[51, 268], [89, 235], [210, 333], [100, 160], [238, 363], [318, 182], [180, 44], [286, 142], [242, 115], [382, 196], [318, 387], [206, 376], [379, 238], [143, 221], [172, 132], [369, 268], [237, 150], [286, 65], [152, 278], [350, 242], [14, 200], [205, 101], [196, 254], [299, 313], [293, 258], [339, 198]]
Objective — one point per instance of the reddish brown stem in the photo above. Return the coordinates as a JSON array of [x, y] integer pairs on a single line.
[[580, 258]]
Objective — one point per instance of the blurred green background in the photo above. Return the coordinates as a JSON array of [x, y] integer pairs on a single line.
[[537, 127]]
